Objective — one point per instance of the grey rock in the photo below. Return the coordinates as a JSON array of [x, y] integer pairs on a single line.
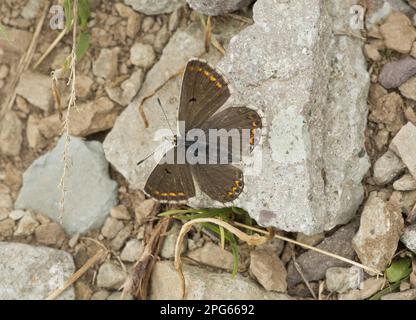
[[92, 117], [74, 240], [217, 7], [320, 186], [202, 284], [90, 192], [405, 183], [106, 65], [314, 265], [404, 295], [111, 227], [121, 237], [33, 272], [6, 201], [394, 74], [36, 88], [162, 37], [343, 279], [110, 276], [6, 227], [409, 237], [142, 55], [366, 290], [31, 9], [168, 248], [153, 7], [213, 255], [127, 90], [26, 225], [145, 209], [3, 215], [269, 270], [100, 295], [10, 134], [274, 245], [120, 212], [381, 9], [404, 145], [83, 86], [316, 190], [387, 168], [377, 239], [408, 89], [132, 251], [174, 20]]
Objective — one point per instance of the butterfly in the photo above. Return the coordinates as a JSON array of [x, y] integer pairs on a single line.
[[204, 91]]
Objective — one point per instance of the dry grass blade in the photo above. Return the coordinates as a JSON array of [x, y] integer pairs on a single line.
[[139, 281], [249, 239], [51, 47], [240, 18], [299, 270], [208, 33], [56, 95], [77, 275], [306, 246]]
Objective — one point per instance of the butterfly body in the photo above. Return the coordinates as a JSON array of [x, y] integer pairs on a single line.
[[196, 154]]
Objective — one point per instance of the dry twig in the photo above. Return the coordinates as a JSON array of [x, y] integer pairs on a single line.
[[306, 246], [77, 275], [139, 281]]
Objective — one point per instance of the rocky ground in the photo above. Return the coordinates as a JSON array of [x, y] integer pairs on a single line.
[[137, 48]]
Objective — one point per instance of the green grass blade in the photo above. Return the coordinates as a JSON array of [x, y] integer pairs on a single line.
[[83, 44], [68, 14], [84, 13]]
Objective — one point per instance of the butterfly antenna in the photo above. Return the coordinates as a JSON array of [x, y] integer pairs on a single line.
[[147, 157], [166, 117]]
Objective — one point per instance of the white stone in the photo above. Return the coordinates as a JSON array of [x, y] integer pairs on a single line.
[[33, 272], [387, 168], [409, 237], [343, 279], [202, 284], [405, 183], [132, 251], [37, 89], [142, 55]]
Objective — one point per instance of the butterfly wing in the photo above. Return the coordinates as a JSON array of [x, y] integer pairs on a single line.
[[236, 118], [170, 182], [223, 183], [203, 92]]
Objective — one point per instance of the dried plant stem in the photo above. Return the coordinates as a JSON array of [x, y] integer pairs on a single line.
[[249, 239], [71, 103], [299, 270], [51, 47], [306, 246], [138, 283], [77, 275]]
